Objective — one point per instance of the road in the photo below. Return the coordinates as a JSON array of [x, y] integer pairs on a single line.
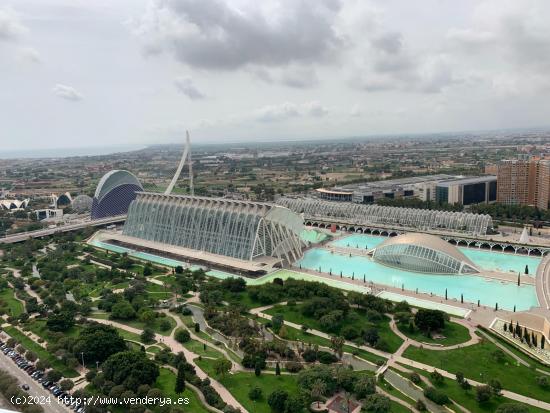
[[57, 230], [36, 389]]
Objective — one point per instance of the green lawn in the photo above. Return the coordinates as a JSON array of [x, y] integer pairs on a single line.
[[40, 351], [128, 335], [466, 398], [294, 334], [166, 382], [478, 363], [39, 328], [398, 408], [140, 325], [12, 306], [239, 384], [454, 334], [293, 314], [198, 348]]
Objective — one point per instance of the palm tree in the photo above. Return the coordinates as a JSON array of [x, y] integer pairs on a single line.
[[317, 390]]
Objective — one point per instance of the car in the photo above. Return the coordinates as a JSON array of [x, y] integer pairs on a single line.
[[25, 387]]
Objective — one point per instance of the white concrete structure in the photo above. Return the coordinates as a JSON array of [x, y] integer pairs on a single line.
[[423, 253], [238, 229]]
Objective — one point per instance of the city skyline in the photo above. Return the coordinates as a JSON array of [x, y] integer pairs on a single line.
[[136, 73]]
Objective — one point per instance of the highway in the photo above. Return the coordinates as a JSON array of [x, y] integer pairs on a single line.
[[64, 228], [36, 389]]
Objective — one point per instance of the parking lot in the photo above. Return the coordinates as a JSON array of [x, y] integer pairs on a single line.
[[38, 387]]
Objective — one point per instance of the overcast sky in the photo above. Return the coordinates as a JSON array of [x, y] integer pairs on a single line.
[[106, 72]]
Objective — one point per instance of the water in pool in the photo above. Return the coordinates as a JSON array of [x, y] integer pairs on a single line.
[[473, 288]]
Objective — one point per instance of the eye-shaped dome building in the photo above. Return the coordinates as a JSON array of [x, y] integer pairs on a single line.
[[114, 193], [423, 253]]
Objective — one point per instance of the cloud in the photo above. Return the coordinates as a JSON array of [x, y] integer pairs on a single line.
[[390, 42], [67, 92], [216, 35], [288, 110], [29, 54], [299, 77], [186, 86], [10, 25]]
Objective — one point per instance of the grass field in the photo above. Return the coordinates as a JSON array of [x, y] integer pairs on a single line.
[[239, 384], [478, 363], [12, 306], [466, 398], [166, 382], [41, 352], [454, 334], [140, 325], [293, 314], [198, 348]]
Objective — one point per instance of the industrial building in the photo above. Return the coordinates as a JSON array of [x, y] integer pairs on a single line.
[[467, 191]]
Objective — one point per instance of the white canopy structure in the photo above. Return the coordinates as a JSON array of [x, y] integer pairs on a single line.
[[238, 229], [406, 218]]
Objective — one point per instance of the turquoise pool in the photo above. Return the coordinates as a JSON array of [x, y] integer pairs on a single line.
[[142, 255], [495, 261], [473, 288]]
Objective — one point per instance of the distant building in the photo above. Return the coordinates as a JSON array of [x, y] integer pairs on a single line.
[[14, 204], [524, 182], [467, 191], [422, 187], [441, 187], [114, 193]]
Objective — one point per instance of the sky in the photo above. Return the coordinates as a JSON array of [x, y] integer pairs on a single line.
[[77, 73]]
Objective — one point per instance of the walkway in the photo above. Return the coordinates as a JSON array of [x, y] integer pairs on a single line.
[[542, 284], [176, 347]]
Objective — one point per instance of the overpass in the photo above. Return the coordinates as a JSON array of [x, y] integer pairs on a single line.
[[23, 236]]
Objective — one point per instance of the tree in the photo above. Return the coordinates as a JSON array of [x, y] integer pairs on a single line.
[[429, 320], [31, 356], [337, 344], [293, 404], [436, 396], [277, 399], [317, 391], [147, 335], [258, 368], [66, 384], [123, 310], [255, 393], [277, 322], [496, 387], [180, 379], [222, 366], [372, 336], [197, 327], [543, 382], [98, 342], [131, 369], [483, 393], [61, 321], [181, 335], [147, 316], [53, 375], [512, 408], [164, 324], [459, 377], [377, 403], [277, 369], [436, 377], [364, 386], [179, 269]]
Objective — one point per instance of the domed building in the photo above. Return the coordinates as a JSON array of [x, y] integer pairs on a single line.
[[423, 253], [114, 193], [82, 203]]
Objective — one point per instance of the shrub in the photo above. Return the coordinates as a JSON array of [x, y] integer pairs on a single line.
[[436, 396], [181, 335], [415, 378], [255, 393], [293, 367], [326, 357]]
